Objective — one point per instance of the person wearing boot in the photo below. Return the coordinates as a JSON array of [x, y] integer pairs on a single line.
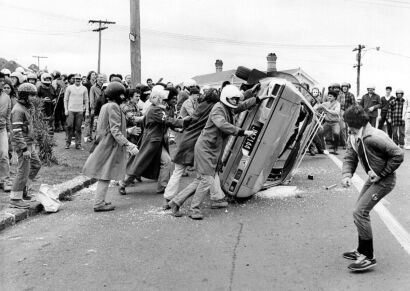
[[23, 142], [209, 146], [108, 160], [380, 158]]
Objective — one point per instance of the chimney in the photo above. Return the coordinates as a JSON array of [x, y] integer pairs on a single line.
[[271, 62], [218, 65]]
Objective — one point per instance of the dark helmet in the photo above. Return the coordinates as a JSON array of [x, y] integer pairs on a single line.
[[56, 74], [114, 91]]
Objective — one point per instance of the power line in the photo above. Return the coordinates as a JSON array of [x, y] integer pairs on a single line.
[[99, 29], [395, 54], [38, 60]]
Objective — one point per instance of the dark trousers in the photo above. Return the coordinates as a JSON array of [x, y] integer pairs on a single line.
[[74, 121], [382, 121], [398, 134], [334, 129], [59, 116], [372, 120]]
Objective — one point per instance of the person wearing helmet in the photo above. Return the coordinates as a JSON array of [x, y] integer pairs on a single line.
[[75, 103], [349, 99], [210, 144], [370, 103], [6, 72], [48, 95], [5, 111], [385, 104], [396, 115], [184, 153], [21, 70], [108, 159], [16, 79], [32, 78], [23, 143], [153, 161]]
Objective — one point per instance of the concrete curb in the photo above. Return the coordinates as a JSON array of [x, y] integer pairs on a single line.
[[10, 216]]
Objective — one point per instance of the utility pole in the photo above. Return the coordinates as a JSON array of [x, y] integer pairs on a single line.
[[358, 65], [38, 60], [99, 29], [135, 42]]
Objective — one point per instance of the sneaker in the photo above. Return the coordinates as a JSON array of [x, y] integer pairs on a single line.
[[407, 147], [20, 204], [362, 264], [104, 207], [174, 209], [26, 196], [165, 205], [219, 204], [353, 255], [196, 214], [79, 147], [122, 191], [67, 146], [161, 190]]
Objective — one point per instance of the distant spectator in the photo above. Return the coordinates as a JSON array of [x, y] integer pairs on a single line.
[[75, 103], [149, 83], [397, 116], [370, 103]]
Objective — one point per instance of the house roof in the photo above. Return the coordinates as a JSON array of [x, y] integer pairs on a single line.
[[217, 78]]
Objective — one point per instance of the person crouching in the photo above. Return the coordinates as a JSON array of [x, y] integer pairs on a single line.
[[108, 160]]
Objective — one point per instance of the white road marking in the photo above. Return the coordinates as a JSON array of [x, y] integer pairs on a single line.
[[398, 231]]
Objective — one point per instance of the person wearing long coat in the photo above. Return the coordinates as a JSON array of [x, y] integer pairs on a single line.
[[209, 146], [184, 154], [153, 161], [108, 160]]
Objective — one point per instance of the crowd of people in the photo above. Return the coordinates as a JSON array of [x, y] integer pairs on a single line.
[[390, 113], [144, 120]]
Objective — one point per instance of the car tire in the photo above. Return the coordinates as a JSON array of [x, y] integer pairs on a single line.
[[243, 72]]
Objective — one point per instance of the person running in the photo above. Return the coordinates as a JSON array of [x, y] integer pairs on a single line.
[[23, 143], [380, 158]]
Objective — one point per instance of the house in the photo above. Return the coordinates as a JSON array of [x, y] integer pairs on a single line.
[[216, 79]]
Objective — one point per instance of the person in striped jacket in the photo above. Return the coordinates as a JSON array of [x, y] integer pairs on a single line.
[[23, 142]]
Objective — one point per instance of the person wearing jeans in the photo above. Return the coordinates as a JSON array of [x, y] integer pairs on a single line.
[[23, 142], [380, 158], [75, 103]]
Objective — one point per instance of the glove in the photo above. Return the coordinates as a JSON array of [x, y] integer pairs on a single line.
[[132, 149], [256, 88], [26, 155], [187, 121]]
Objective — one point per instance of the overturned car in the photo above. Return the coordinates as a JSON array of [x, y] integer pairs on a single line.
[[285, 124]]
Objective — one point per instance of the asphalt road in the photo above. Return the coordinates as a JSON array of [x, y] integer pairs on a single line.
[[288, 243]]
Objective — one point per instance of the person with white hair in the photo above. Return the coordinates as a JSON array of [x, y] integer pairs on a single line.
[[153, 161]]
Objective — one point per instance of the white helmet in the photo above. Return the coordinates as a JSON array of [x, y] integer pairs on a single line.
[[229, 92], [189, 83], [399, 91], [6, 72], [18, 75], [371, 86], [45, 76], [21, 70]]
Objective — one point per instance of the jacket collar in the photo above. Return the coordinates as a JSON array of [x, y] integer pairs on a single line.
[[368, 130]]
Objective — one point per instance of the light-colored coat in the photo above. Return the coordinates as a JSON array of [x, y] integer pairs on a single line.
[[108, 160], [213, 138]]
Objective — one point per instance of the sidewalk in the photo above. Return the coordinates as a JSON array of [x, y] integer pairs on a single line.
[[66, 175]]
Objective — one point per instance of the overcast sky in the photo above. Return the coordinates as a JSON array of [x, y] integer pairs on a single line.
[[181, 39]]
